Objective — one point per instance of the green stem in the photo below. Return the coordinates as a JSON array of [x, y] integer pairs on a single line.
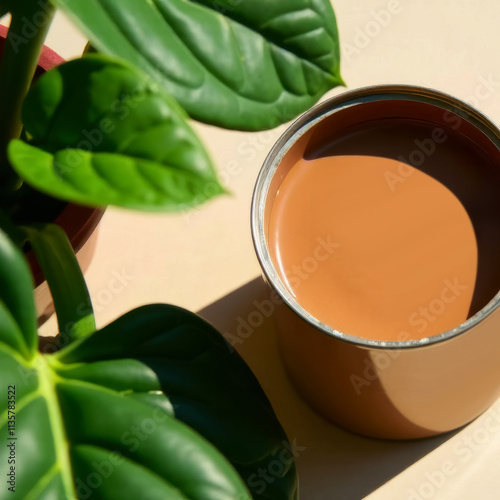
[[66, 282], [30, 23]]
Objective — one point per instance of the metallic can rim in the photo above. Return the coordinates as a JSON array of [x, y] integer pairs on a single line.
[[296, 130]]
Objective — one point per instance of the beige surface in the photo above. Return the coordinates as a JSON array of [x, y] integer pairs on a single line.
[[206, 257]]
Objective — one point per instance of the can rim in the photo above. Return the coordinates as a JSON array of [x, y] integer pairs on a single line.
[[293, 133]]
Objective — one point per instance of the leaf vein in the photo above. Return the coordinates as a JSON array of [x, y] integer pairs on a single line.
[[267, 40], [20, 406], [42, 483]]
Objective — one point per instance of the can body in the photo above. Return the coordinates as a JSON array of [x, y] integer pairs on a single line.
[[393, 393], [400, 389]]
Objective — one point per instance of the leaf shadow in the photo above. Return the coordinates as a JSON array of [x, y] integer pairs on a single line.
[[332, 462]]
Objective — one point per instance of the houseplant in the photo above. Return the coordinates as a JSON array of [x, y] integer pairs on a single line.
[[110, 414], [108, 131], [100, 130], [112, 129]]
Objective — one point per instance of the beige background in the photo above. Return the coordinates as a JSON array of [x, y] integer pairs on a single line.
[[205, 259]]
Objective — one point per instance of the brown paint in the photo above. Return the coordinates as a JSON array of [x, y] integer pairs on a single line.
[[374, 247], [438, 143]]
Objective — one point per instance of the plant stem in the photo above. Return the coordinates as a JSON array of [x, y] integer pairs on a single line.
[[30, 23], [67, 285]]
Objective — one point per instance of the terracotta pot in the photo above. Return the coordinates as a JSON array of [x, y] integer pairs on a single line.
[[79, 223]]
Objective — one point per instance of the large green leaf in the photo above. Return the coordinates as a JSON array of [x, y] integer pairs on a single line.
[[104, 133], [68, 438], [76, 439], [235, 63], [160, 347], [106, 416]]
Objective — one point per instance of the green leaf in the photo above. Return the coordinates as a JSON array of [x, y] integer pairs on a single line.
[[168, 349], [93, 421], [68, 438], [76, 439], [17, 307], [104, 133], [238, 64], [65, 279]]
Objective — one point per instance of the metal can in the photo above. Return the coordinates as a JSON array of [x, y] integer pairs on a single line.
[[410, 388]]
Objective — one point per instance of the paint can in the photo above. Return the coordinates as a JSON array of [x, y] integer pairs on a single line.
[[408, 388]]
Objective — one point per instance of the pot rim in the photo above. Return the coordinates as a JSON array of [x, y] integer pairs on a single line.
[[294, 132], [79, 223]]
